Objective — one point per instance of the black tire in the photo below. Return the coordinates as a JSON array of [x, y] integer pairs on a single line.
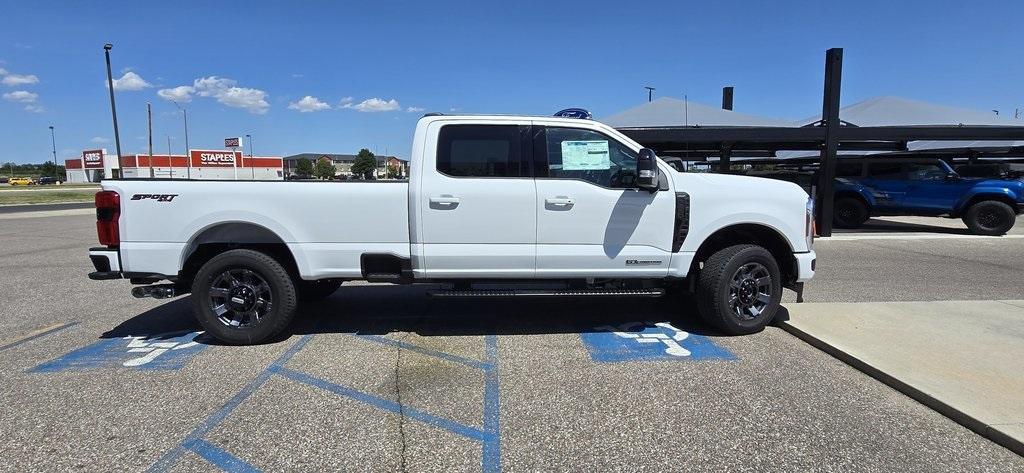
[[990, 217], [310, 291], [237, 281], [715, 288], [849, 212]]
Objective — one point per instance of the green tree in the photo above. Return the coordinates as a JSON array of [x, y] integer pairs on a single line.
[[365, 164], [324, 169], [304, 168], [49, 169]]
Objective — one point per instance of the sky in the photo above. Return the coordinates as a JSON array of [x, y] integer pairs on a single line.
[[334, 77]]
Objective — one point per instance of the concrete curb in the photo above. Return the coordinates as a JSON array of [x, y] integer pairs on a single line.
[[990, 432]]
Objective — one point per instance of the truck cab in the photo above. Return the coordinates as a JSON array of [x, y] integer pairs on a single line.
[[571, 204]]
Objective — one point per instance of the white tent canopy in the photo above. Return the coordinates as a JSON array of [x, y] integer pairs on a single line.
[[666, 111]]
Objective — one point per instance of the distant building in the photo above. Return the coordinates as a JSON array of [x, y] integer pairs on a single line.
[[343, 163]]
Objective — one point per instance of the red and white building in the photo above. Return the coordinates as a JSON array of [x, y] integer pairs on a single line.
[[200, 164]]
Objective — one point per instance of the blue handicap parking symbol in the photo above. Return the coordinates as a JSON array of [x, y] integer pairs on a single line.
[[168, 351], [650, 341]]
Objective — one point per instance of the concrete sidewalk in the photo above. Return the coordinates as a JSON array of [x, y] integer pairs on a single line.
[[964, 359]]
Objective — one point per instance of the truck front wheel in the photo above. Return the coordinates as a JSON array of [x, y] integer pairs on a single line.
[[243, 297], [739, 289], [990, 217]]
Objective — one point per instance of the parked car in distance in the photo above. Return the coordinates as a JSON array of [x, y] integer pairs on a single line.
[[46, 180], [3, 180], [867, 187], [21, 181]]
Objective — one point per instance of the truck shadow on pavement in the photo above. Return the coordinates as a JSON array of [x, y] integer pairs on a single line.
[[380, 310]]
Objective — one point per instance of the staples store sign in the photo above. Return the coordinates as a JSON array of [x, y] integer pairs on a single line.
[[215, 159], [93, 159]]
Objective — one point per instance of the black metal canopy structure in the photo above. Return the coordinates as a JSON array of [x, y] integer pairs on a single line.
[[827, 137]]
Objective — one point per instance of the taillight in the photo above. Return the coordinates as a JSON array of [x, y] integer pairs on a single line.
[[108, 211]]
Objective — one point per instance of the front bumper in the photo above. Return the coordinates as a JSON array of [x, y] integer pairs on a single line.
[[805, 265], [107, 263]]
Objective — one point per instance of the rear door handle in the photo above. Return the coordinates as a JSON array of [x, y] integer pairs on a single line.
[[444, 200], [558, 201]]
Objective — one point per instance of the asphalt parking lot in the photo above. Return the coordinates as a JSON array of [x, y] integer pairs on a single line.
[[383, 378]]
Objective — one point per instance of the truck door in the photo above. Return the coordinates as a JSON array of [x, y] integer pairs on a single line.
[[933, 188], [592, 220], [887, 182], [476, 202]]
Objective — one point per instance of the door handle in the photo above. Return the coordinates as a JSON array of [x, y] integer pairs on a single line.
[[558, 201], [444, 200]]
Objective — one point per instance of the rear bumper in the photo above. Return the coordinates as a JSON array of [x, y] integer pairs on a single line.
[[806, 263], [107, 263]]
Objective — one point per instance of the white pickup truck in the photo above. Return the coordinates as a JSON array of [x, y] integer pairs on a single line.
[[527, 206]]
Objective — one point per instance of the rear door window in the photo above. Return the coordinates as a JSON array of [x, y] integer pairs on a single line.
[[885, 170], [480, 151]]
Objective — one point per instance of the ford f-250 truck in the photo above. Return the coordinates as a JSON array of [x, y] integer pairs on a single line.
[[536, 206]]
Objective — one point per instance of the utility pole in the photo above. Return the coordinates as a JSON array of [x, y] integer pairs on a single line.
[[149, 120], [170, 161], [113, 108], [249, 139], [650, 93]]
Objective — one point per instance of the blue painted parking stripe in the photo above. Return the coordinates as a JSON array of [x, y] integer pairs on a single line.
[[491, 460], [426, 351], [386, 404], [220, 458], [169, 458]]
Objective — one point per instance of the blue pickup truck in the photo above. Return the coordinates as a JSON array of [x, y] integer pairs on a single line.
[[867, 187]]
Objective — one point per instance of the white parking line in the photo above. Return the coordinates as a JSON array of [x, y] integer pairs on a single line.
[[913, 236]]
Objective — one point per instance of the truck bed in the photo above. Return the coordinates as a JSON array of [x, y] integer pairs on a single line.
[[326, 225]]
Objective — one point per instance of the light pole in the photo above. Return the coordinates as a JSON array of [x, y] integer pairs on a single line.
[[249, 139], [53, 141], [113, 108], [184, 115], [650, 93]]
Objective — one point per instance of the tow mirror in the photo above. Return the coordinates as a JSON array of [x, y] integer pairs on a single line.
[[647, 170]]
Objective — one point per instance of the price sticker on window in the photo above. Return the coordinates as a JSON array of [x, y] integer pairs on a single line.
[[585, 155]]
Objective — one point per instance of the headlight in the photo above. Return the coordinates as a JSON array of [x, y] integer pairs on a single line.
[[809, 226]]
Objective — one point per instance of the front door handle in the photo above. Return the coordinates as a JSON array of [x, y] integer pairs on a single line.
[[560, 201], [445, 201]]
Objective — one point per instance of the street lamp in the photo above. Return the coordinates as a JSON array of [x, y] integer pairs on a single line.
[[113, 108], [53, 141], [650, 93], [184, 115], [249, 139]]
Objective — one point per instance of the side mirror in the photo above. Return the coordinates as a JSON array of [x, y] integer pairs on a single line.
[[647, 170], [952, 176]]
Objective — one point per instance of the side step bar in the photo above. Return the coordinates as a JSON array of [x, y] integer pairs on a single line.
[[657, 292]]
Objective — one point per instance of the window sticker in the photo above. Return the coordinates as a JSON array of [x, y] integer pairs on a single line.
[[585, 155]]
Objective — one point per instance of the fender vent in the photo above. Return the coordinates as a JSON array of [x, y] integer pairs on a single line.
[[682, 220]]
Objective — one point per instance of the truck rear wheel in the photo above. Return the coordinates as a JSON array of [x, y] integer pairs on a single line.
[[739, 289], [243, 297], [990, 217]]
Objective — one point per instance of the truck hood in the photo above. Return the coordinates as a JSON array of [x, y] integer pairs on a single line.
[[753, 186]]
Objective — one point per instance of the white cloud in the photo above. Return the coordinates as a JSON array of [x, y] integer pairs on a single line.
[[414, 109], [34, 108], [17, 79], [346, 102], [181, 93], [309, 104], [3, 72], [454, 109], [100, 140], [131, 81], [297, 76], [223, 90], [21, 96], [373, 105]]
